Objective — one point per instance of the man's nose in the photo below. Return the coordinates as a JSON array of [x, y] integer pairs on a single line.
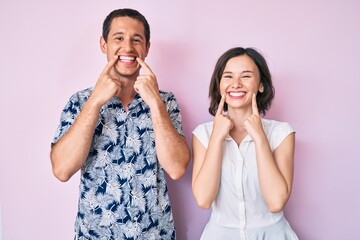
[[127, 45]]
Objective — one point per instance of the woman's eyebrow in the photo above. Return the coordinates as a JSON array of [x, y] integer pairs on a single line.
[[245, 71]]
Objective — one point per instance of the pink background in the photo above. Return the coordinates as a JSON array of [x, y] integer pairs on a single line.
[[50, 49]]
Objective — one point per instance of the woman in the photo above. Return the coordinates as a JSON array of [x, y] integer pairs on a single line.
[[243, 164]]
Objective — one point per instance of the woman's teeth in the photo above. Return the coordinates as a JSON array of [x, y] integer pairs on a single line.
[[237, 94]]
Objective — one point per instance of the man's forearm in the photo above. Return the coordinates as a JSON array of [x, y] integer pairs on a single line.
[[171, 148], [70, 152]]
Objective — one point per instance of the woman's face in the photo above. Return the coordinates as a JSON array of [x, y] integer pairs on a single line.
[[240, 79]]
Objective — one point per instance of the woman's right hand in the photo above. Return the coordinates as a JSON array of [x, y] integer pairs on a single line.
[[222, 123]]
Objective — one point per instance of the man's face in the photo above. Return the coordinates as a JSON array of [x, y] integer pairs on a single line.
[[126, 40]]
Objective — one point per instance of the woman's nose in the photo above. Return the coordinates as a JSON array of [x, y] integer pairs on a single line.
[[237, 83]]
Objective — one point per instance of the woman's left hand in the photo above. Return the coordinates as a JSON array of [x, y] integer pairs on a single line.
[[253, 123]]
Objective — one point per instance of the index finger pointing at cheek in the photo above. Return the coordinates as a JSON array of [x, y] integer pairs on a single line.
[[254, 105], [221, 105], [145, 66], [222, 102], [110, 63]]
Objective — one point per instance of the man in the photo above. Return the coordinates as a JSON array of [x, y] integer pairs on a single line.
[[123, 134]]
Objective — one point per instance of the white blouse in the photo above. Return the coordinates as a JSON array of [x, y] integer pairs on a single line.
[[239, 210]]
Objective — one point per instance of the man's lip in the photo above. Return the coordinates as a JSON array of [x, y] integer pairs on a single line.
[[126, 58]]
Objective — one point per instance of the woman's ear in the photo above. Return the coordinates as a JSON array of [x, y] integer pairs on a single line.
[[261, 88]]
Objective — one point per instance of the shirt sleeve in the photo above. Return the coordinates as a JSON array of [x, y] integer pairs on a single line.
[[174, 112], [67, 117]]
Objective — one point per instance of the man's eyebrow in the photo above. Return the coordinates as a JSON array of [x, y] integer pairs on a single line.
[[135, 35], [117, 33], [138, 35]]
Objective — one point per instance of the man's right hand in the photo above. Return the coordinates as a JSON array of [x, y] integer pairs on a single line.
[[107, 85]]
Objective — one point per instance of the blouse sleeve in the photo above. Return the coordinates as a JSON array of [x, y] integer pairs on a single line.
[[202, 132], [279, 133]]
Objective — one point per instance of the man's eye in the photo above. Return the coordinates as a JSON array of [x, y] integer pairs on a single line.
[[119, 38], [137, 40]]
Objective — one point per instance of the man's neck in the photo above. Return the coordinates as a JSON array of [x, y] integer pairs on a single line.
[[127, 92]]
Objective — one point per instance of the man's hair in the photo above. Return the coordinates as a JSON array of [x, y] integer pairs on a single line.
[[263, 99], [125, 12]]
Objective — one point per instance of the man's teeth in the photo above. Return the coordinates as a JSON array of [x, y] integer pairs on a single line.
[[126, 58], [236, 94]]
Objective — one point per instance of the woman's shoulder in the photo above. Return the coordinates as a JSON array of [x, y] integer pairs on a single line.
[[206, 126], [276, 131], [271, 125], [203, 132]]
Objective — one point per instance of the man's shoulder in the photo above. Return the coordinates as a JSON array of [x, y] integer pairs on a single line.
[[166, 93], [82, 94], [85, 91], [167, 96]]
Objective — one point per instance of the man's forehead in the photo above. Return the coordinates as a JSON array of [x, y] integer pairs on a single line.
[[127, 24]]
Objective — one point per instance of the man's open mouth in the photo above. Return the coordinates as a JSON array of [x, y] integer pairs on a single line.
[[127, 58]]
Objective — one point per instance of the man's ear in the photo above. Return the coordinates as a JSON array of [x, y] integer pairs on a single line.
[[147, 49], [103, 45]]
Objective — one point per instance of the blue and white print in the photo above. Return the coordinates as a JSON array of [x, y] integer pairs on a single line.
[[123, 193]]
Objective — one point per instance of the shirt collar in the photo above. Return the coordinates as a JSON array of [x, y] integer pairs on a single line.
[[246, 139]]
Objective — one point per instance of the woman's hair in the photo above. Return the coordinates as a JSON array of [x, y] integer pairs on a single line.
[[263, 99], [125, 12]]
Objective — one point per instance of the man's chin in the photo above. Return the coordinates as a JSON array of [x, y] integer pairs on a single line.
[[127, 73]]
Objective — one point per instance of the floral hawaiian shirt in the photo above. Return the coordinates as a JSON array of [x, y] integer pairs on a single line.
[[123, 192]]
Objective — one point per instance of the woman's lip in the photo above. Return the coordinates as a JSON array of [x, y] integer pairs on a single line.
[[236, 94]]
